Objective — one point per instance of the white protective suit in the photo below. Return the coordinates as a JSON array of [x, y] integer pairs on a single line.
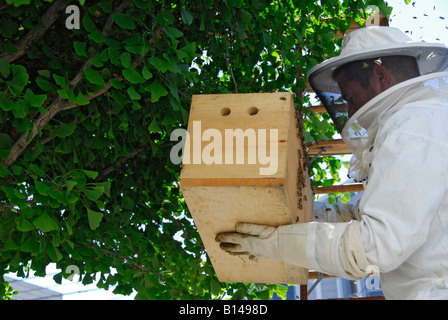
[[399, 227], [402, 216]]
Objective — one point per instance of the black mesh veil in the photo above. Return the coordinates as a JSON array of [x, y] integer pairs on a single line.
[[336, 107], [331, 99]]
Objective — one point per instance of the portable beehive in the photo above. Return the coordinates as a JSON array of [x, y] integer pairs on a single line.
[[244, 161]]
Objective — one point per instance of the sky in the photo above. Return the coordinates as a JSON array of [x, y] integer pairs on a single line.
[[423, 20]]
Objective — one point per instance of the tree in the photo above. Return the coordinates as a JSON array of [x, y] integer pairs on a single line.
[[89, 96]]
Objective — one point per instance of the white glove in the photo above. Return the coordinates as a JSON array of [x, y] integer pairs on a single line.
[[257, 241], [333, 248], [286, 243]]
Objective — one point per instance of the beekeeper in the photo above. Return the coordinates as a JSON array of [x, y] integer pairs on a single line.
[[389, 97]]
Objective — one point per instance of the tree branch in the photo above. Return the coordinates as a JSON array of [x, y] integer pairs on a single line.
[[231, 73], [124, 159], [59, 104], [48, 18]]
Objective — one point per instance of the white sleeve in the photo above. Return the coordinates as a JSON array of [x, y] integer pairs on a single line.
[[407, 181], [340, 212], [336, 249], [332, 248]]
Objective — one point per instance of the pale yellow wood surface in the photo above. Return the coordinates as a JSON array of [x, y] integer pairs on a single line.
[[217, 209], [220, 195], [351, 187], [273, 113]]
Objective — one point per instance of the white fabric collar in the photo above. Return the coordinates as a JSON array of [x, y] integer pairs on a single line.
[[360, 131]]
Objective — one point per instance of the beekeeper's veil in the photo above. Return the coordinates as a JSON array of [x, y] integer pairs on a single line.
[[373, 43]]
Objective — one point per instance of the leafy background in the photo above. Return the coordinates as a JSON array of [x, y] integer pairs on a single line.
[[85, 122]]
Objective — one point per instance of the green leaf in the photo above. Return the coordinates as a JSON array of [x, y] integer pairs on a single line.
[[173, 32], [67, 94], [31, 245], [58, 196], [60, 80], [87, 23], [45, 85], [19, 79], [70, 184], [35, 168], [116, 84], [24, 224], [5, 69], [4, 172], [81, 100], [35, 100], [105, 186], [126, 60], [94, 218], [21, 110], [91, 174], [331, 199], [133, 76], [65, 130], [187, 17], [133, 94], [157, 91], [146, 73], [54, 253], [6, 104], [187, 51], [46, 223], [5, 141], [215, 287], [41, 187], [97, 36], [94, 77], [154, 126], [80, 48], [170, 118], [123, 20], [159, 64], [92, 194]]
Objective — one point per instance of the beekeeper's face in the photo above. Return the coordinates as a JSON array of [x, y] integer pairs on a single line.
[[357, 95], [354, 93]]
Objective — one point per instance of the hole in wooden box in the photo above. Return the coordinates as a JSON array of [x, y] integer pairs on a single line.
[[253, 111], [225, 112]]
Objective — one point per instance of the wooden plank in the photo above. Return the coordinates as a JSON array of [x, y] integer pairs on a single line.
[[329, 147], [374, 20], [315, 275], [352, 187], [220, 195], [317, 109]]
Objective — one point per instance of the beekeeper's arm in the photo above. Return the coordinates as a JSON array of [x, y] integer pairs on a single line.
[[332, 248], [332, 244], [392, 227], [339, 212]]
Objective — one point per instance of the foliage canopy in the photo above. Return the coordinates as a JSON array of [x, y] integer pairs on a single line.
[[85, 120]]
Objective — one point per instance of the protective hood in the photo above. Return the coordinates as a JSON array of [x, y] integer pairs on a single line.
[[361, 129], [371, 43]]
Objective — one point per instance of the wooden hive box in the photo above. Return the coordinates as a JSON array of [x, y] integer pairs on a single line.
[[262, 178]]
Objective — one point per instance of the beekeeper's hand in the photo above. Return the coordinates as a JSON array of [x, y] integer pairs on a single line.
[[257, 241]]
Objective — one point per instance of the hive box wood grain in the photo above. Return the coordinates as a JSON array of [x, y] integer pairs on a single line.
[[220, 192]]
